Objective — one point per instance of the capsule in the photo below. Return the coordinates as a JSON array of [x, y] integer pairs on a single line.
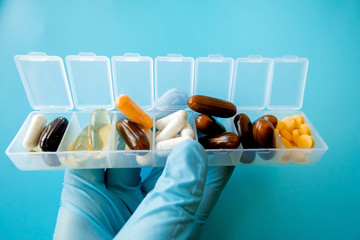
[[51, 136], [32, 136], [226, 140], [162, 122], [99, 130], [133, 135], [208, 125], [133, 111], [211, 106], [264, 134], [169, 144], [187, 131], [171, 129], [244, 129], [270, 118]]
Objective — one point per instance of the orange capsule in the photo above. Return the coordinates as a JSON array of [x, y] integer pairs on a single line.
[[132, 111]]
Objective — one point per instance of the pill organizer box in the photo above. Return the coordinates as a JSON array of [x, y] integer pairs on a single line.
[[256, 85]]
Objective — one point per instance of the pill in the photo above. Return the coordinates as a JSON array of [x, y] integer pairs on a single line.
[[171, 129], [263, 132], [286, 134], [99, 130], [187, 131], [132, 111], [149, 134], [270, 118], [133, 135], [286, 142], [208, 125], [305, 141], [145, 160], [81, 143], [299, 120], [248, 156], [211, 106], [52, 134], [280, 125], [305, 129], [32, 136], [244, 129], [289, 123], [295, 135], [226, 140], [170, 143], [161, 123]]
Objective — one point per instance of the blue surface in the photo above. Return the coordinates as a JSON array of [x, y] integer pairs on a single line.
[[288, 202]]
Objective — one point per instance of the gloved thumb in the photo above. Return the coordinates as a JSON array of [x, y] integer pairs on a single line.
[[168, 211]]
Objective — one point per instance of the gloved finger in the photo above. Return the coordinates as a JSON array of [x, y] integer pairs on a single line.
[[173, 98], [87, 206], [125, 183], [167, 212], [217, 178], [150, 181]]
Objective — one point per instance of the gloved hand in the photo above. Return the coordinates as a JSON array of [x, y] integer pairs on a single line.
[[116, 203]]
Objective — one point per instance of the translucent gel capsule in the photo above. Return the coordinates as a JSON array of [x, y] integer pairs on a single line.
[[227, 140], [51, 136], [208, 125], [133, 135], [81, 142], [132, 111], [211, 106], [32, 136], [99, 130]]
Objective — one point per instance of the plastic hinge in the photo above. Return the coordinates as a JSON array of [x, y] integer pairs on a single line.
[[255, 58]]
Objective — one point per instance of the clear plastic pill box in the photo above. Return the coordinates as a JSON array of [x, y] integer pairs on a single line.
[[256, 85]]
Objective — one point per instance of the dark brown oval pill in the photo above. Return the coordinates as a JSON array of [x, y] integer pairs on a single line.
[[264, 134], [208, 125], [227, 140], [211, 106], [244, 129], [51, 136], [270, 118], [133, 135]]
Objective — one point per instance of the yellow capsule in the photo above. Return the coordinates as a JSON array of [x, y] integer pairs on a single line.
[[286, 134], [286, 143], [305, 129], [299, 120], [280, 125], [295, 135], [289, 123], [305, 141]]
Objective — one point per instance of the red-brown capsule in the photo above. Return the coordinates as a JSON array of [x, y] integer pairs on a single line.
[[244, 128], [211, 106], [270, 118], [52, 134], [264, 134], [227, 140], [208, 125], [133, 135]]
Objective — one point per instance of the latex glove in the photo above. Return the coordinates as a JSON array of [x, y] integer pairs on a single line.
[[103, 204]]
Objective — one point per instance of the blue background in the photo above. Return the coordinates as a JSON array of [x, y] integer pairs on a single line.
[[321, 201]]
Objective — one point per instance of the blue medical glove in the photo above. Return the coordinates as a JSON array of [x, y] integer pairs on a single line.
[[116, 203]]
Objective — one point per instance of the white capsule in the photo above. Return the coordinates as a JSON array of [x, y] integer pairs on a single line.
[[161, 123], [171, 129], [170, 143], [32, 136], [188, 131]]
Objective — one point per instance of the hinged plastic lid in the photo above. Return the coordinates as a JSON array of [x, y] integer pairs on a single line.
[[133, 75], [173, 71], [251, 82], [213, 76], [45, 81], [90, 79], [288, 83]]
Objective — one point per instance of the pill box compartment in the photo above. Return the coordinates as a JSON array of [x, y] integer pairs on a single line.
[[256, 85]]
